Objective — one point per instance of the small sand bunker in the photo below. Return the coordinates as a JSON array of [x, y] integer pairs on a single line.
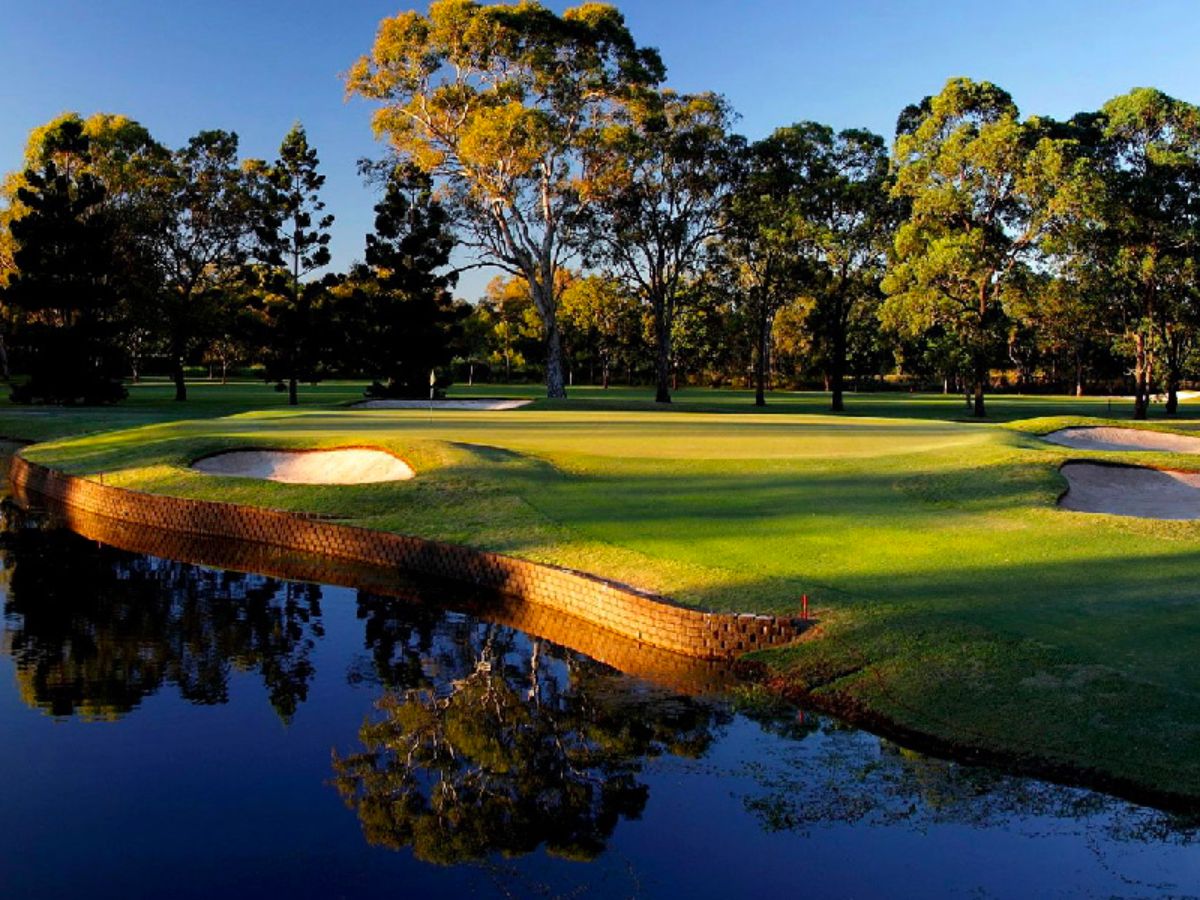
[[346, 466], [482, 404], [1107, 438], [1131, 491]]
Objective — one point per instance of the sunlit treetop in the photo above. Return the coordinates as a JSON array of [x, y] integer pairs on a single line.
[[494, 92]]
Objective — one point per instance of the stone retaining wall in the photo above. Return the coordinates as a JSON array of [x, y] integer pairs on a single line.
[[615, 608]]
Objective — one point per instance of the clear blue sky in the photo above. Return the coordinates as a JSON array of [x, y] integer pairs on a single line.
[[256, 66]]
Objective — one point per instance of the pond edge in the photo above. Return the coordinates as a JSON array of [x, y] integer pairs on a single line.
[[638, 615]]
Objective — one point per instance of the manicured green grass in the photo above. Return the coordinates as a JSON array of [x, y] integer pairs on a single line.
[[152, 401], [954, 598]]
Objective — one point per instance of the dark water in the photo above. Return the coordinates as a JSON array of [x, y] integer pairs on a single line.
[[170, 730]]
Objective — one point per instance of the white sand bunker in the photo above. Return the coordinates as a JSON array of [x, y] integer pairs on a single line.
[[1131, 491], [346, 466], [482, 404], [1107, 438]]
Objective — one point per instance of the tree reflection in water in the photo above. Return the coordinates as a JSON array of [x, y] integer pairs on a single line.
[[94, 630], [489, 741]]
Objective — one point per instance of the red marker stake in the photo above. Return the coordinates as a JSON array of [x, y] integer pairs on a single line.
[[804, 607]]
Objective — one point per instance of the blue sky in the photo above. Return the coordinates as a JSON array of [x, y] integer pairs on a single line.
[[256, 66]]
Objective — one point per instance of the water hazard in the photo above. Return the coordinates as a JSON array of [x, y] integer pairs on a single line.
[[176, 730]]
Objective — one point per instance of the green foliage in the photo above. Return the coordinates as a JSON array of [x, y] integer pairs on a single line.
[[292, 242], [65, 257], [506, 103], [1138, 249], [202, 217], [670, 166], [602, 322], [398, 307], [808, 225], [984, 189]]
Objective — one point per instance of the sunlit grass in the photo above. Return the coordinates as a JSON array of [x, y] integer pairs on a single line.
[[954, 596]]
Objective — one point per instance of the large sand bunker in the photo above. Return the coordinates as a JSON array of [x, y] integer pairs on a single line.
[[481, 404], [1108, 438], [346, 466], [1131, 491]]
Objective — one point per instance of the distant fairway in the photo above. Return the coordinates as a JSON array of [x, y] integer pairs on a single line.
[[954, 597]]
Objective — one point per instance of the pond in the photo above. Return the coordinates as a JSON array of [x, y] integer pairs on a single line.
[[177, 730]]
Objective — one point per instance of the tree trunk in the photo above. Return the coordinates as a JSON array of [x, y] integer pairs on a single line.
[[981, 374], [1141, 377], [224, 372], [542, 291], [293, 396], [981, 366], [760, 358], [662, 335], [1174, 372], [554, 371], [1078, 375], [838, 371], [180, 385]]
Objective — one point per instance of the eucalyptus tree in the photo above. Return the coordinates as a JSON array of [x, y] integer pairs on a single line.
[[509, 323], [291, 244], [811, 219], [607, 318], [984, 188], [199, 241], [669, 178], [1143, 244], [504, 105]]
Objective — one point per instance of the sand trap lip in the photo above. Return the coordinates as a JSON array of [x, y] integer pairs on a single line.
[[346, 465], [1131, 491], [481, 404], [1109, 438]]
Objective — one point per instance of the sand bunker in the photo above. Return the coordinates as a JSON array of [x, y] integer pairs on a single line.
[[1131, 491], [442, 404], [346, 466], [1106, 438]]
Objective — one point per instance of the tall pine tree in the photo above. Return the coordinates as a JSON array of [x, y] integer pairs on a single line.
[[63, 291], [293, 244], [408, 322]]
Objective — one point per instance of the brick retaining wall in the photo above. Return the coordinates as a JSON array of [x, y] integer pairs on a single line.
[[615, 608]]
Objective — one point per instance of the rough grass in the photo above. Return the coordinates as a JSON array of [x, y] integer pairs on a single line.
[[954, 598]]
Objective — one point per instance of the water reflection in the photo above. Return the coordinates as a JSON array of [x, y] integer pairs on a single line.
[[94, 630], [460, 738], [490, 742], [843, 777]]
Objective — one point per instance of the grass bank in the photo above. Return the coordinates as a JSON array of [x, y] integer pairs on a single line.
[[955, 600]]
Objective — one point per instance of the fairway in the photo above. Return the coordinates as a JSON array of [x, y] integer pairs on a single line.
[[954, 598]]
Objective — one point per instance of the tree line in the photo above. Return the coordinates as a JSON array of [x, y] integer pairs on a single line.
[[639, 237]]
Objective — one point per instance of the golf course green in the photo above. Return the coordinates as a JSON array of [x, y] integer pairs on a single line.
[[956, 603]]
